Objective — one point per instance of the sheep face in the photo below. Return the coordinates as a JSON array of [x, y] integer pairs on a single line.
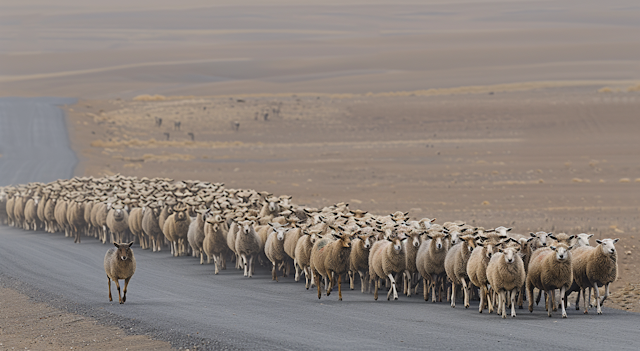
[[118, 214], [583, 239], [455, 237], [345, 240], [181, 215], [509, 254], [542, 237], [247, 227], [607, 246], [124, 251], [415, 241], [562, 252], [280, 233], [368, 241], [274, 206]]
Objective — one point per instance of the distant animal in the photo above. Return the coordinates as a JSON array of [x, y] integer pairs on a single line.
[[192, 136], [176, 125], [167, 135], [119, 263], [236, 125], [266, 116], [158, 121]]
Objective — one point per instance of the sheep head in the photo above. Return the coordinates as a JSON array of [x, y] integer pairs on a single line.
[[510, 253], [607, 246], [344, 239], [583, 239], [562, 252], [542, 237], [124, 252]]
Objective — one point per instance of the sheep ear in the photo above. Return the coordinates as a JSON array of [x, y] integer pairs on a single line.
[[532, 235], [590, 236], [336, 236], [616, 240], [530, 239], [553, 237], [116, 244], [429, 236], [570, 247], [433, 220], [509, 229], [552, 248], [572, 237], [599, 241], [549, 233], [130, 244]]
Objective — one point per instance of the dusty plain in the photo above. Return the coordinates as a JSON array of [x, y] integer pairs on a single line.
[[515, 113]]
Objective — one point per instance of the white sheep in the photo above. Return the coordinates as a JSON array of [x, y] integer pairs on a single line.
[[455, 264], [594, 267], [550, 269], [505, 273], [386, 259]]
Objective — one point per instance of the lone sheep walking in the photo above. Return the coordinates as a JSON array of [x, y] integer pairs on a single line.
[[119, 263]]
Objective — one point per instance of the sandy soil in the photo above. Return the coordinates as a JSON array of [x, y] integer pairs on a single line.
[[29, 325]]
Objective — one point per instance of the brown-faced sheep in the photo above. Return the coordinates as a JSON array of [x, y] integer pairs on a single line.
[[119, 263], [214, 244]]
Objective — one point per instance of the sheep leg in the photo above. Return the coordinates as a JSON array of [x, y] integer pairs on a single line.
[[530, 295], [562, 291], [539, 296], [109, 282], [244, 260], [465, 290], [295, 265], [553, 300], [490, 299], [363, 281], [351, 279], [118, 287], [483, 297], [513, 302], [328, 282], [503, 300], [318, 284], [340, 287], [425, 288], [597, 298], [306, 278], [216, 262], [274, 272], [606, 294], [375, 288], [394, 287], [202, 257], [453, 295], [252, 266], [313, 282], [548, 302], [433, 284], [580, 291]]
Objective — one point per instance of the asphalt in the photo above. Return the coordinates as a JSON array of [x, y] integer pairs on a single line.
[[178, 300], [33, 140]]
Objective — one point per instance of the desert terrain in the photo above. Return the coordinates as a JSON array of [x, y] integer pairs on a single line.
[[514, 113]]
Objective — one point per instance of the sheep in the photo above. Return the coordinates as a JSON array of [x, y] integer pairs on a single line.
[[75, 218], [550, 269], [477, 268], [359, 259], [18, 210], [214, 243], [151, 226], [303, 256], [594, 267], [31, 213], [455, 264], [9, 208], [135, 226], [274, 249], [411, 246], [176, 228], [430, 262], [291, 237], [118, 223], [49, 215], [234, 229], [60, 213], [387, 258], [100, 219], [196, 235], [248, 246], [505, 273], [119, 263], [562, 238], [329, 258]]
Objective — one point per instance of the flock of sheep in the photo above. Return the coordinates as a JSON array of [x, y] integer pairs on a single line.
[[326, 245]]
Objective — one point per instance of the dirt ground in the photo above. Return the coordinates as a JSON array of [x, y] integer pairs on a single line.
[[554, 159], [29, 325]]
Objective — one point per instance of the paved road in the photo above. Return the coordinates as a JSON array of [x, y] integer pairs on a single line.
[[33, 141], [178, 300], [171, 297]]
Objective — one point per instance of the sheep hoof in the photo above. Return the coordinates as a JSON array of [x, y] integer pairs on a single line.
[[564, 315], [396, 298], [599, 312]]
